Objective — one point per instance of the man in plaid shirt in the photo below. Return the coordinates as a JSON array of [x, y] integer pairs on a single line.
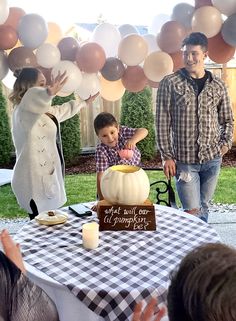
[[194, 127], [112, 139]]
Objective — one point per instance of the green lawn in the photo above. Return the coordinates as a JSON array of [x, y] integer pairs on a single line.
[[82, 188]]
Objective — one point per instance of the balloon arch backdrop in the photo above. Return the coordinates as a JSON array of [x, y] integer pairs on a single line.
[[116, 57]]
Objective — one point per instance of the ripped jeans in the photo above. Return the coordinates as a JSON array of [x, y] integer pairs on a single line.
[[196, 185]]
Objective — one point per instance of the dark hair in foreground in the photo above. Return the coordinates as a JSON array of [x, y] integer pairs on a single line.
[[104, 119], [25, 79], [204, 287], [196, 39]]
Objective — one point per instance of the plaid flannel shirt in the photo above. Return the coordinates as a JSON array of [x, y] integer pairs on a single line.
[[106, 156], [192, 128]]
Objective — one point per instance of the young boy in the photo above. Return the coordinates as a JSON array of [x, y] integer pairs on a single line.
[[112, 139]]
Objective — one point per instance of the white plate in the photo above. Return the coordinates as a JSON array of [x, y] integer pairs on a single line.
[[59, 217]]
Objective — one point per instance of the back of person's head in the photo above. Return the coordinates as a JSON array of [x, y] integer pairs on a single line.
[[25, 79], [104, 119], [204, 286], [196, 39]]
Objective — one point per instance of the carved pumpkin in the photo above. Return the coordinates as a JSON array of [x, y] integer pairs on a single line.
[[126, 153], [125, 184]]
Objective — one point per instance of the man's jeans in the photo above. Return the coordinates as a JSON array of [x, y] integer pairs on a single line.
[[196, 185]]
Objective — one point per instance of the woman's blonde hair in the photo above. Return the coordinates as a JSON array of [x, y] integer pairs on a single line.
[[25, 79]]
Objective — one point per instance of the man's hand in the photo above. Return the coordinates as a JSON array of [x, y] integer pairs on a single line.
[[169, 168], [224, 149], [149, 312]]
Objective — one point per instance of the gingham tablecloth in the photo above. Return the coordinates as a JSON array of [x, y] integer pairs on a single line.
[[126, 267]]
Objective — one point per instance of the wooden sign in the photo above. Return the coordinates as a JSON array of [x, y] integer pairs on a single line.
[[126, 217]]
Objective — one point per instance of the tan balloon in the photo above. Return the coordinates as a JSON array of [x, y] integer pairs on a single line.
[[157, 65], [132, 50], [208, 20], [54, 33], [111, 90]]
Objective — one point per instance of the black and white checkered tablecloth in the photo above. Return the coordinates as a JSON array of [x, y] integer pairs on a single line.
[[126, 267]]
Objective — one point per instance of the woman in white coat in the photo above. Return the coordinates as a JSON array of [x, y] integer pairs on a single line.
[[38, 177]]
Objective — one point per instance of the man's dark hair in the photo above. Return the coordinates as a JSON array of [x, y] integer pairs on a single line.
[[104, 119], [196, 39], [204, 287]]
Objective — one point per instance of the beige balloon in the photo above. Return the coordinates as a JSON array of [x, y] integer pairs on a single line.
[[132, 50], [54, 33], [111, 90], [157, 65], [208, 20]]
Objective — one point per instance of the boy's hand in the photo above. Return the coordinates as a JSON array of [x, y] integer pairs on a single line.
[[148, 313], [130, 144]]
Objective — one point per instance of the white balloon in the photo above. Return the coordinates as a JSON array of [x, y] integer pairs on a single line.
[[127, 29], [48, 55], [108, 37], [227, 7], [157, 22], [3, 64], [9, 80], [64, 94], [152, 42], [89, 86], [4, 11], [72, 72]]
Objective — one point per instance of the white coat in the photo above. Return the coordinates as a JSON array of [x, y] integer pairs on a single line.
[[38, 170]]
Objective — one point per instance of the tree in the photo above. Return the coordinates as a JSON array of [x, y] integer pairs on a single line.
[[70, 132], [6, 145], [136, 112]]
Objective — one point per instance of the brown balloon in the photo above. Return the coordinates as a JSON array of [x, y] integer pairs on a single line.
[[90, 57], [202, 3], [171, 36], [8, 37], [68, 47], [113, 69], [14, 16], [134, 79], [21, 57], [178, 61], [218, 50]]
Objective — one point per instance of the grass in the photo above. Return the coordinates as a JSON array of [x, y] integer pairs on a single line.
[[82, 188]]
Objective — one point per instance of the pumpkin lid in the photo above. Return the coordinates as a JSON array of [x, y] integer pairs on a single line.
[[51, 217]]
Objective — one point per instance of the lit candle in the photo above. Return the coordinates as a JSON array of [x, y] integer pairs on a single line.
[[90, 235]]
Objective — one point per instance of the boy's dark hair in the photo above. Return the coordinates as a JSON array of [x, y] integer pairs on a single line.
[[204, 287], [195, 39], [104, 119]]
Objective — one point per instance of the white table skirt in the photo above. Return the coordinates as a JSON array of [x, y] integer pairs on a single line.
[[69, 307]]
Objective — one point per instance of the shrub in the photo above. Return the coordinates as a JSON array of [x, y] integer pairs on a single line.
[[136, 112], [6, 145], [70, 132]]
